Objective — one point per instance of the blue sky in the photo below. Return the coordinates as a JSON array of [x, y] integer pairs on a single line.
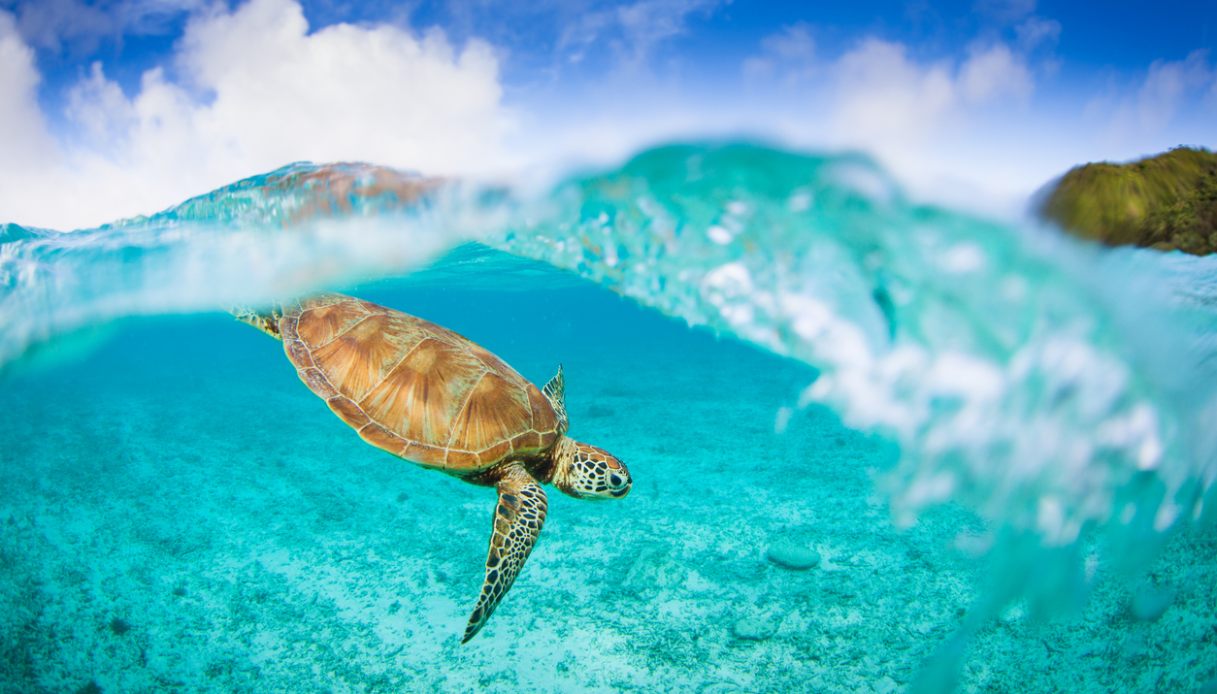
[[1118, 40], [938, 91]]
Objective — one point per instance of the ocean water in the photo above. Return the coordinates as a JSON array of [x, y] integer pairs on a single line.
[[999, 442]]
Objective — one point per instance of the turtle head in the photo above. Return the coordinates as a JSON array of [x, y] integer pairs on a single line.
[[588, 472]]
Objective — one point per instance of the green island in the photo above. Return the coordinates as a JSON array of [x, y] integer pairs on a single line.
[[1167, 201]]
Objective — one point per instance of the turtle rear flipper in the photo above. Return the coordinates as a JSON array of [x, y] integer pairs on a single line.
[[518, 518]]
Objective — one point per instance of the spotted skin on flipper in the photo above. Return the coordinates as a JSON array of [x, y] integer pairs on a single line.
[[518, 518]]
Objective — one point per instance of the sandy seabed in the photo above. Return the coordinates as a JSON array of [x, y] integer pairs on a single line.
[[178, 512]]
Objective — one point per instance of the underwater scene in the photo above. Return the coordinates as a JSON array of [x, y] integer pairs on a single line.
[[872, 445]]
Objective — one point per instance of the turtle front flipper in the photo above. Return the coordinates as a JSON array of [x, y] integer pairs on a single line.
[[518, 518]]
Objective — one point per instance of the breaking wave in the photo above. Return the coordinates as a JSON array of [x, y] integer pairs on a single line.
[[1053, 387]]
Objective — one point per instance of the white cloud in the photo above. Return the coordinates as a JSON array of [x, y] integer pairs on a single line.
[[24, 141], [1036, 32], [876, 96], [376, 94], [789, 54], [929, 121], [99, 107], [255, 90], [649, 22], [994, 72], [633, 30], [54, 24], [884, 99], [1168, 85], [1138, 116], [938, 124]]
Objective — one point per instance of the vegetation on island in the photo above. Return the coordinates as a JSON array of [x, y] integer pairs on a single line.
[[1168, 201]]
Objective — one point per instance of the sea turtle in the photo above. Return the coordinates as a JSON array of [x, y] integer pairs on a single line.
[[433, 397]]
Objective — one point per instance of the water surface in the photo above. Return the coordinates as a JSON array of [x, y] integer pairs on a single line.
[[996, 439]]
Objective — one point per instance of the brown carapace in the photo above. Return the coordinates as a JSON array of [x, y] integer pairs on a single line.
[[432, 397]]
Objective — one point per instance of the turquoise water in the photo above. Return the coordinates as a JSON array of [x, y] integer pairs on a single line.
[[997, 441]]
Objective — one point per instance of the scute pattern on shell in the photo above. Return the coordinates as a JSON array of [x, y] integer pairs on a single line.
[[413, 388]]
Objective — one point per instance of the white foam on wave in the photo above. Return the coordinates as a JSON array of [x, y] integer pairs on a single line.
[[248, 248], [1022, 373]]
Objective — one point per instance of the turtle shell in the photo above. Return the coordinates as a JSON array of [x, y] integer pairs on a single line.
[[415, 389]]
